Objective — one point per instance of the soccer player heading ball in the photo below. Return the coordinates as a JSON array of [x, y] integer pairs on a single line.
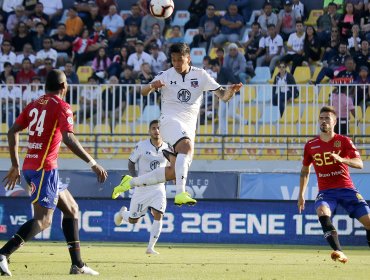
[[331, 154], [182, 88]]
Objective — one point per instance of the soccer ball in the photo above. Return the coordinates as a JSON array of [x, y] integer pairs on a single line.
[[161, 8]]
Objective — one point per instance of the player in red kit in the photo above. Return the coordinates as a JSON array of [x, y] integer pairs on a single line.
[[331, 154], [49, 121]]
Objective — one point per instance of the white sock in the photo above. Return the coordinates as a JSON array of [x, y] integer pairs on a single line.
[[154, 233], [157, 176], [125, 215], [181, 169]]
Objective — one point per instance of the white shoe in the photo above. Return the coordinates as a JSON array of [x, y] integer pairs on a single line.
[[151, 252], [118, 219], [339, 256], [4, 269], [83, 270]]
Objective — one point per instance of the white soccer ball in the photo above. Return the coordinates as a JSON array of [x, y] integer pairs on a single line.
[[161, 8]]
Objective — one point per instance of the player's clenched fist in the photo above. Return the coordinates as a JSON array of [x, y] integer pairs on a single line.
[[157, 84]]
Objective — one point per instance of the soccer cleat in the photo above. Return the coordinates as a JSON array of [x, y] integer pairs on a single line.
[[83, 270], [4, 269], [151, 252], [184, 198], [118, 220], [122, 187], [339, 256]]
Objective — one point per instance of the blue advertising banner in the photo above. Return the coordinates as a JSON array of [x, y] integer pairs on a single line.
[[217, 221], [275, 186], [209, 185]]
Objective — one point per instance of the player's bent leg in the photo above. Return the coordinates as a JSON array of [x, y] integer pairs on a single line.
[[118, 217], [365, 221], [4, 269], [155, 232]]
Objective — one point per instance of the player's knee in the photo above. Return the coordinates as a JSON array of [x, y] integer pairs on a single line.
[[170, 173], [72, 211], [44, 223], [323, 211], [133, 221]]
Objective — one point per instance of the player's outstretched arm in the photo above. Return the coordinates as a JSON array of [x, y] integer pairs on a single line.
[[351, 162], [151, 87], [305, 172], [14, 173], [226, 94], [74, 145]]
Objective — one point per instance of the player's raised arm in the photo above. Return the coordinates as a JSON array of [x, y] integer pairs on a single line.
[[70, 140], [227, 94], [152, 87], [305, 172], [351, 162]]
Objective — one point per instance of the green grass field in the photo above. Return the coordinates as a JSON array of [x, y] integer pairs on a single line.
[[46, 260]]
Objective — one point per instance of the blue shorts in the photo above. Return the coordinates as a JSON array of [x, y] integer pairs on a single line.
[[350, 199], [45, 186]]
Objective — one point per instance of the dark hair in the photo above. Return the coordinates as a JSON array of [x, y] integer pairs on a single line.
[[299, 21], [153, 122], [211, 5], [220, 50], [104, 58], [328, 109], [270, 25], [26, 59], [181, 48], [61, 24], [54, 80], [256, 23], [332, 4], [266, 4]]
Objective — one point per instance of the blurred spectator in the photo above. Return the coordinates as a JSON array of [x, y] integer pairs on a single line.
[[159, 59], [46, 68], [358, 4], [144, 7], [235, 63], [354, 42], [6, 55], [326, 22], [331, 47], [4, 35], [113, 100], [84, 48], [54, 9], [336, 63], [133, 35], [25, 75], [147, 23], [349, 71], [62, 43], [196, 9], [127, 77], [311, 46], [175, 37], [145, 75], [27, 53], [274, 49], [136, 59], [38, 37], [277, 5], [220, 56], [287, 19], [209, 67], [92, 17], [119, 62], [11, 103], [113, 24], [15, 19], [83, 8], [33, 91], [347, 20], [8, 71], [38, 17], [9, 7], [343, 105], [295, 47], [208, 108], [244, 7], [338, 3], [71, 75], [155, 37], [104, 6], [101, 62], [231, 25], [298, 6], [90, 95], [268, 17], [135, 17], [22, 37], [362, 58], [74, 23], [284, 90], [46, 52], [209, 26], [251, 44], [361, 93], [365, 22]]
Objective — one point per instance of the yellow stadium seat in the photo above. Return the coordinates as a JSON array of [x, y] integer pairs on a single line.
[[122, 153], [270, 154], [231, 152], [366, 140], [251, 113], [249, 94], [294, 153], [168, 33], [308, 129], [141, 131], [291, 115], [122, 129], [4, 151], [66, 153], [209, 154], [83, 73], [249, 153], [83, 129], [367, 115], [358, 118], [306, 95], [302, 74], [324, 94], [289, 130], [3, 132], [106, 152], [248, 130], [204, 129], [269, 130], [310, 114], [103, 129], [131, 113], [312, 18]]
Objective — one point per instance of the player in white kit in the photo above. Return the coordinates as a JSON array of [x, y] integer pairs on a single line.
[[182, 88], [147, 156]]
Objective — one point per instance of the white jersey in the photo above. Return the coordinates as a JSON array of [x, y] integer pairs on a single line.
[[147, 157], [295, 42], [182, 95]]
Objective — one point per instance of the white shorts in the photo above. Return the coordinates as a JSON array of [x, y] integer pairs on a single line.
[[147, 198], [172, 130]]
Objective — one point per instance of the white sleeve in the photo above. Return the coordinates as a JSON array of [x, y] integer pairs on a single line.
[[210, 83], [60, 5], [290, 40], [130, 61], [135, 154], [161, 76], [280, 42], [262, 43]]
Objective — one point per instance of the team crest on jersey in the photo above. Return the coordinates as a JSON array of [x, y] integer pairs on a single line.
[[183, 95], [194, 83], [154, 164], [337, 144], [42, 101]]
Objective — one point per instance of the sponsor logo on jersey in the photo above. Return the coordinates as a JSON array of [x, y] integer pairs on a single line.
[[337, 144], [45, 199], [183, 95], [194, 84], [154, 164]]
